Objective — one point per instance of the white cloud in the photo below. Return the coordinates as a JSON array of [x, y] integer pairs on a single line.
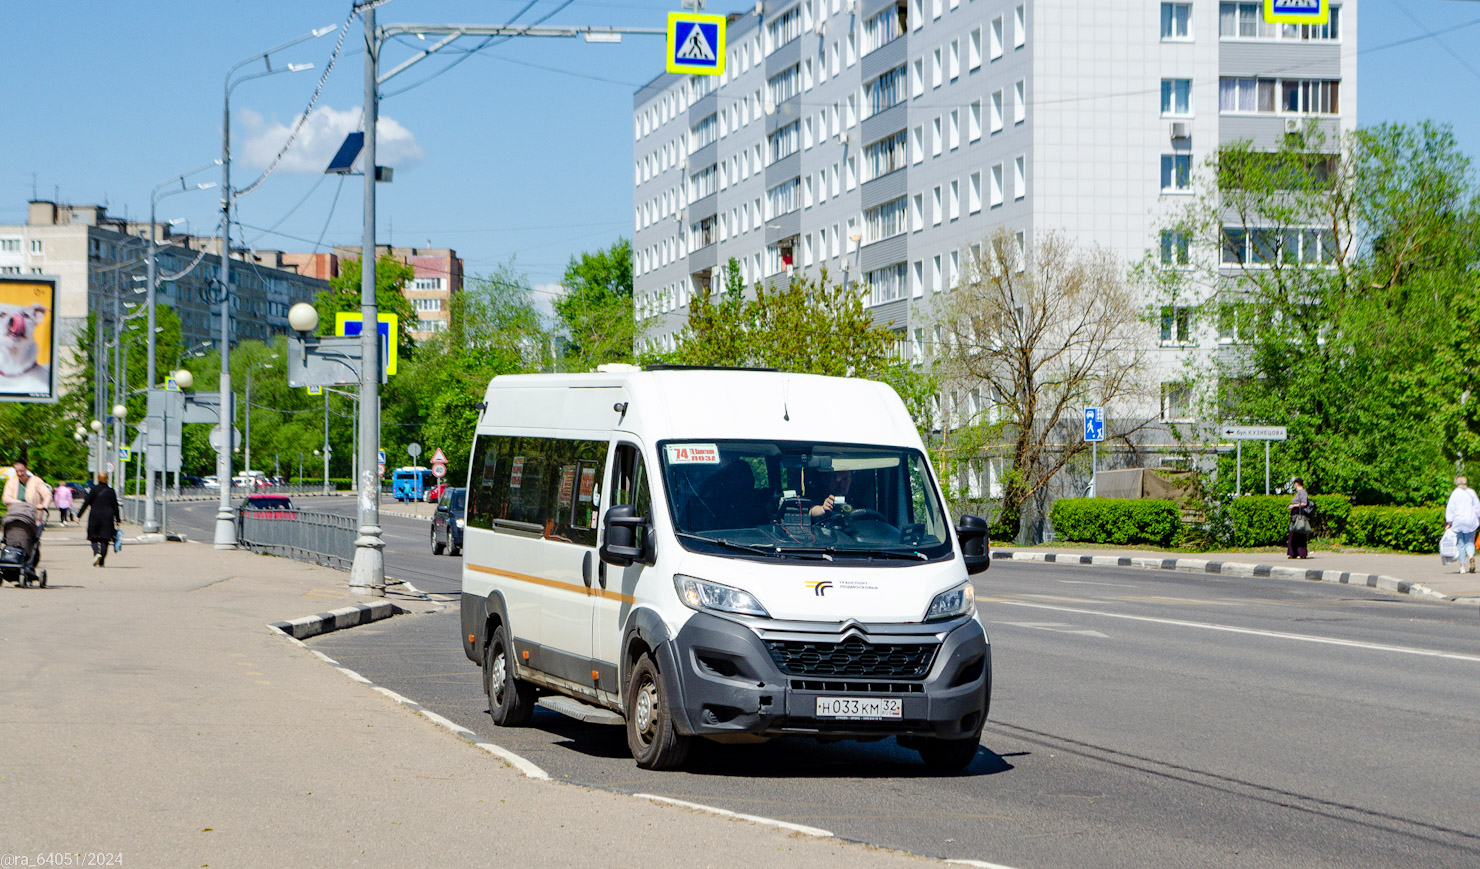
[[544, 298], [320, 138]]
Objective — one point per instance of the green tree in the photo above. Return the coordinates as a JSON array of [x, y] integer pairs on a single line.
[[391, 277], [1343, 269], [595, 313]]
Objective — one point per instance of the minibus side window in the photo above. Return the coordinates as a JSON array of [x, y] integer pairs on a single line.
[[630, 486], [483, 493]]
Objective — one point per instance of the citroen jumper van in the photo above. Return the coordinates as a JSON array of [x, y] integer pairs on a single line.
[[721, 553]]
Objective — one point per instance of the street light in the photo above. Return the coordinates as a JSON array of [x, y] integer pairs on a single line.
[[151, 524], [225, 524]]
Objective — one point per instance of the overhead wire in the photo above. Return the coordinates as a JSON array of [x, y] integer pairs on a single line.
[[488, 42]]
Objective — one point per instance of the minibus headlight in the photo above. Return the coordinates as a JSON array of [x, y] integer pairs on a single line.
[[704, 595], [959, 601], [461, 523]]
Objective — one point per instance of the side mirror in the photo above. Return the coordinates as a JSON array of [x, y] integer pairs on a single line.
[[619, 536], [971, 533]]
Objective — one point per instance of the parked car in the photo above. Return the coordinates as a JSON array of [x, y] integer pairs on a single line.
[[447, 522], [210, 483], [434, 494], [269, 506]]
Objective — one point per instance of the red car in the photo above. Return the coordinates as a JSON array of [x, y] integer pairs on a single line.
[[269, 506], [434, 494]]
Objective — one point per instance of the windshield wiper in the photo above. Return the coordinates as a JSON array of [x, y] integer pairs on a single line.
[[821, 552], [913, 555], [730, 544]]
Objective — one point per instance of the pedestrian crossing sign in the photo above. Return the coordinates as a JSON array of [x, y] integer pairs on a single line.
[[1297, 11], [316, 390], [696, 43]]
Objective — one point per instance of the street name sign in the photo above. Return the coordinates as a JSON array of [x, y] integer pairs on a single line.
[[1253, 432], [696, 43], [1094, 424], [1297, 11]]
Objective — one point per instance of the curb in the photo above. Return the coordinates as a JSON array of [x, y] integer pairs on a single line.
[[334, 620], [1231, 568], [404, 515]]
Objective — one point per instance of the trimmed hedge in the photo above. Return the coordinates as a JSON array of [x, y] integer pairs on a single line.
[[1264, 520], [1406, 529], [1116, 520]]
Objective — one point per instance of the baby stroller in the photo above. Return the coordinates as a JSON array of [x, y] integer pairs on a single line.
[[22, 550]]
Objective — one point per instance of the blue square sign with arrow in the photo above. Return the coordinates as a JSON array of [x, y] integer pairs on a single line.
[[696, 43]]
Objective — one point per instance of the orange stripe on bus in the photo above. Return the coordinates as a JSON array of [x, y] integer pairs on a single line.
[[554, 583]]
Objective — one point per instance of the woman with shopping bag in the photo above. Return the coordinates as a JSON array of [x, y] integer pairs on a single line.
[[1462, 516], [1300, 527]]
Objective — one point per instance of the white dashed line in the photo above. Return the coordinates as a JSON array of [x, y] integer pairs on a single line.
[[772, 822]]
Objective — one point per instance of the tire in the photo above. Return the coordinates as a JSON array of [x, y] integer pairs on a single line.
[[651, 737], [436, 547], [948, 755], [454, 548], [510, 701], [43, 578]]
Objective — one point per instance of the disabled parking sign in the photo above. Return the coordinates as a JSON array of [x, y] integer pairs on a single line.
[[696, 43]]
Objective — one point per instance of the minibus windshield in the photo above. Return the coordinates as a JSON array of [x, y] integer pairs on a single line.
[[803, 501]]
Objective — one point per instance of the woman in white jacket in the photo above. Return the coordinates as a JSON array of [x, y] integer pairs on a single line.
[[1463, 515]]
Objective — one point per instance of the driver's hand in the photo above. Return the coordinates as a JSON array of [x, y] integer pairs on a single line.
[[825, 507]]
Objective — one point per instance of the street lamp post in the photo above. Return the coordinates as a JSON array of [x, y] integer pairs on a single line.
[[151, 524], [225, 525]]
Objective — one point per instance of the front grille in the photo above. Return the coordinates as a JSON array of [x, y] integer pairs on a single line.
[[857, 687], [853, 658]]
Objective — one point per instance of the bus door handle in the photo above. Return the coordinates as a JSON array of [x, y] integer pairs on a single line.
[[601, 573], [586, 569]]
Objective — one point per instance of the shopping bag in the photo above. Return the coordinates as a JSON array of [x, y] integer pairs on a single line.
[[118, 540], [1449, 547], [1300, 524]]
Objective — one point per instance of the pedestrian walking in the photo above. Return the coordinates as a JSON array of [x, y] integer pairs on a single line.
[[61, 496], [1462, 515], [102, 525], [26, 488], [1300, 530]]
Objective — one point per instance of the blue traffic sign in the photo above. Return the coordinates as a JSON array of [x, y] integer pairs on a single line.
[[696, 43], [1297, 11], [1094, 424]]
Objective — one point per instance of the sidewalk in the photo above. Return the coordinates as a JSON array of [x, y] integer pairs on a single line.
[[148, 711], [1420, 575]]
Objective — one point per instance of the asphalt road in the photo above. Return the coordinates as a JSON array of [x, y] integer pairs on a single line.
[[1138, 718]]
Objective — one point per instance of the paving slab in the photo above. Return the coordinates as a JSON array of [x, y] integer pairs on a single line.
[[148, 711]]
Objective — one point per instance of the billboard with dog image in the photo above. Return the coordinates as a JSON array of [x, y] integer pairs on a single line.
[[28, 339]]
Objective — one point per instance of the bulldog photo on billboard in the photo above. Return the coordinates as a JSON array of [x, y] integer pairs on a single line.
[[27, 339]]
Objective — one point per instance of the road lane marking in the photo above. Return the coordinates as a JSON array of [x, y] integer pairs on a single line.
[[1256, 632], [1056, 627], [700, 807], [980, 864], [1087, 582], [1163, 599]]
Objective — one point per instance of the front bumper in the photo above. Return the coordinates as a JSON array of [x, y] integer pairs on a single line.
[[726, 681]]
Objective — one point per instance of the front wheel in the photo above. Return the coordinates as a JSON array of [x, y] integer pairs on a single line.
[[654, 742], [510, 701], [436, 546]]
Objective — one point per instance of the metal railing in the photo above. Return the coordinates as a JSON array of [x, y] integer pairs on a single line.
[[322, 538]]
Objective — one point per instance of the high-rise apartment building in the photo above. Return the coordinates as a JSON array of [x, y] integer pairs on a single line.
[[100, 261], [884, 139]]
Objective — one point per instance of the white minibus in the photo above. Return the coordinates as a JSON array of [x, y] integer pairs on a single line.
[[724, 554]]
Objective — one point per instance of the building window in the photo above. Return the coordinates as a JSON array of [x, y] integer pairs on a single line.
[[996, 186], [953, 129], [1019, 26], [1020, 177], [995, 40], [917, 78], [703, 184], [1174, 248], [785, 141], [1176, 401], [884, 156], [974, 49], [784, 85], [955, 200], [935, 207], [935, 69], [917, 144], [705, 132], [1246, 21], [917, 212], [886, 284], [1238, 322], [1019, 101], [1176, 173], [702, 234], [884, 221], [1176, 325], [10, 245], [784, 28], [884, 92], [427, 305], [783, 198], [953, 60], [974, 121], [996, 118], [1176, 21], [883, 28], [426, 284], [974, 193], [36, 245], [1176, 97], [1267, 95]]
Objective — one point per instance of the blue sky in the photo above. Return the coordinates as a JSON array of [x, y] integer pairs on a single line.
[[523, 151]]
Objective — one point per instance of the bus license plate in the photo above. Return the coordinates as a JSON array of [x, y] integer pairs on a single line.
[[859, 708]]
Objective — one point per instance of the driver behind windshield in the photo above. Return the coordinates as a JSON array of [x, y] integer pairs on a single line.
[[835, 484]]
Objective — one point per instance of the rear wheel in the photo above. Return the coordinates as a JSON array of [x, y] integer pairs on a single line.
[[510, 701], [654, 742]]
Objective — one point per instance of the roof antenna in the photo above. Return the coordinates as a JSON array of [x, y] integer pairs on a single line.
[[785, 398]]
